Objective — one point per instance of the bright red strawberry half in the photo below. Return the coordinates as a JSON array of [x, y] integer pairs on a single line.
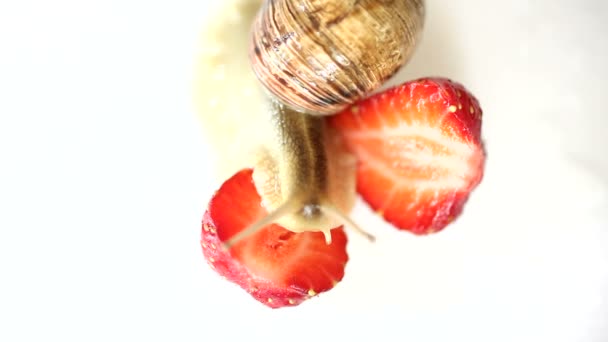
[[419, 150], [277, 267]]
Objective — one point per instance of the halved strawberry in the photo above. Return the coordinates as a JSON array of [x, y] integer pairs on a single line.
[[419, 151], [276, 266]]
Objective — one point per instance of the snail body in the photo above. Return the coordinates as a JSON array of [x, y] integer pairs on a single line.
[[306, 179], [303, 174], [319, 56]]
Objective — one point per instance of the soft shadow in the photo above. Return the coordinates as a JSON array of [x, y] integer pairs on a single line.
[[438, 53]]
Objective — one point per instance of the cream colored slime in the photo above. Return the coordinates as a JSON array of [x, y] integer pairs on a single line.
[[231, 104]]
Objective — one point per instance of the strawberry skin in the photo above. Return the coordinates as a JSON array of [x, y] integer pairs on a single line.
[[419, 150], [274, 265]]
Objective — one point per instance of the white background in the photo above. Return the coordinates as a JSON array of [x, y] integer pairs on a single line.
[[104, 179]]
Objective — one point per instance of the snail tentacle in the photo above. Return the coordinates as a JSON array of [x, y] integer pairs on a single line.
[[284, 209]]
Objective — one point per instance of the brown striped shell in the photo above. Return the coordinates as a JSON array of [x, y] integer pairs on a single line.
[[319, 56]]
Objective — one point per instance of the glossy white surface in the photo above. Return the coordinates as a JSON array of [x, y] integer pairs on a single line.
[[103, 181]]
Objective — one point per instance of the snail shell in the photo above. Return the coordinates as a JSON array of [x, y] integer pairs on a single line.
[[319, 56]]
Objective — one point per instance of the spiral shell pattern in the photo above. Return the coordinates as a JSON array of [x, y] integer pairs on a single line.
[[319, 56]]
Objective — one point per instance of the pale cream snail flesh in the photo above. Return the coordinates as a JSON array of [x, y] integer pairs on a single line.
[[307, 180]]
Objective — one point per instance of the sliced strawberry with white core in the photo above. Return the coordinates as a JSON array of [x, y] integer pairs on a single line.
[[419, 151], [276, 266]]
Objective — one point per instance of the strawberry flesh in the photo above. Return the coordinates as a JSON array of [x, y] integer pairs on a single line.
[[274, 265], [419, 151]]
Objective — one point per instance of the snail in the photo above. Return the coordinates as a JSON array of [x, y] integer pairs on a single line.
[[320, 56], [305, 177]]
